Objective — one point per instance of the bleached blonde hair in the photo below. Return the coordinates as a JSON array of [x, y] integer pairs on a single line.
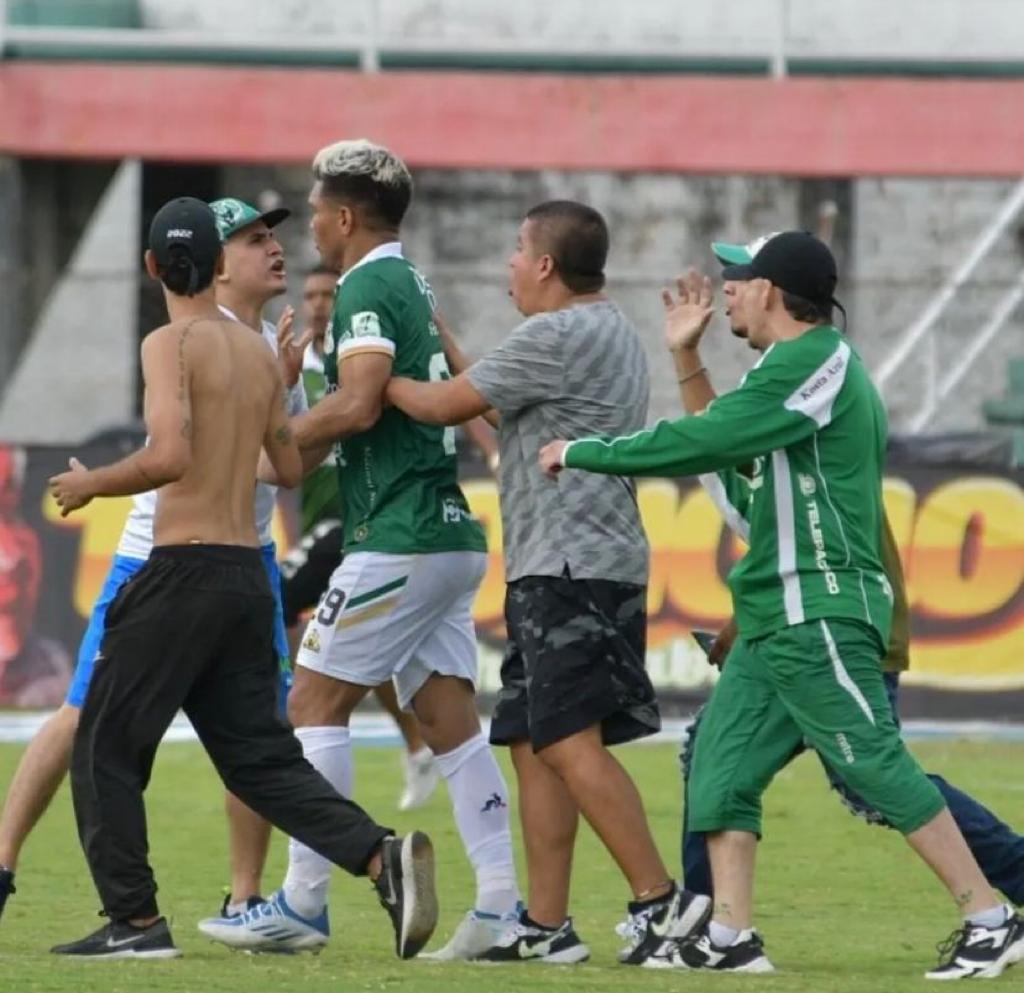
[[369, 175], [361, 157]]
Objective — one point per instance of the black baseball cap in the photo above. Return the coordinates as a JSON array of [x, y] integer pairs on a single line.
[[794, 261], [187, 228]]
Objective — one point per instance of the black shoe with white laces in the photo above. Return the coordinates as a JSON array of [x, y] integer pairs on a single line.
[[406, 890], [6, 886], [527, 942], [650, 925], [745, 954], [974, 951], [120, 940]]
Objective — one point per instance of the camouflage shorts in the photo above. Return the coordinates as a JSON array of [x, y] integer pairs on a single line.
[[574, 658]]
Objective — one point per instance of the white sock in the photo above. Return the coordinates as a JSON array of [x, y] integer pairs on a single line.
[[721, 935], [329, 751], [480, 804], [997, 915]]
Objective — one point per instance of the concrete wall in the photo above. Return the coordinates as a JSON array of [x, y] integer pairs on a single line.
[[951, 29], [897, 241]]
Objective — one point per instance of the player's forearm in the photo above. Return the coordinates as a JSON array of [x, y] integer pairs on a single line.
[[667, 449], [141, 471], [327, 421], [695, 389], [428, 403]]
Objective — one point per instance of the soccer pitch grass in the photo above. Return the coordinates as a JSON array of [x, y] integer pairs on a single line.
[[843, 906]]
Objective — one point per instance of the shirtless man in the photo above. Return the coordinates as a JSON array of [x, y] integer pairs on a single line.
[[194, 630]]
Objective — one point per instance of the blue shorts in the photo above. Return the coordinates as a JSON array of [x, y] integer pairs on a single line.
[[121, 570]]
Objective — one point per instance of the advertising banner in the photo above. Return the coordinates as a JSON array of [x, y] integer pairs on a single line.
[[960, 532]]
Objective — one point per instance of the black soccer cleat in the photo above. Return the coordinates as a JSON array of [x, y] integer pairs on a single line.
[[406, 890], [745, 954], [121, 940], [528, 943], [977, 952], [6, 886], [650, 925]]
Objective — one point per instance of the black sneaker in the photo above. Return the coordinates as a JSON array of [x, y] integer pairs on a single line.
[[983, 952], [745, 954], [526, 942], [650, 925], [120, 940], [405, 887], [6, 886]]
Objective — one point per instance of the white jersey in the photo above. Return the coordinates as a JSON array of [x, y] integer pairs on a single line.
[[137, 536]]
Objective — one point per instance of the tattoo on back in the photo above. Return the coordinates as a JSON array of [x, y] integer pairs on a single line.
[[183, 398]]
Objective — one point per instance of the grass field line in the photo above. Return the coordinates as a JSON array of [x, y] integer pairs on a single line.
[[18, 727]]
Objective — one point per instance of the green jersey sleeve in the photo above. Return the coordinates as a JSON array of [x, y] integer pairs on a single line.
[[783, 400], [365, 317]]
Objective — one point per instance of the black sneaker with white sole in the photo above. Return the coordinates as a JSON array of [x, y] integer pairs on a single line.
[[650, 925], [121, 940], [745, 954], [528, 942], [974, 951], [406, 890], [6, 886]]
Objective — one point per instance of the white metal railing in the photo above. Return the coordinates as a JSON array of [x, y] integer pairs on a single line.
[[923, 329], [938, 391]]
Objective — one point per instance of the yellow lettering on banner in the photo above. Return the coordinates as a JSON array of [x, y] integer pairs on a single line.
[[482, 497], [658, 500], [101, 523], [968, 555], [684, 536], [900, 501]]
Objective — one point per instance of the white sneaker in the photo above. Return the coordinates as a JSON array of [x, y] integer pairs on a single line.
[[476, 934], [421, 778], [271, 925]]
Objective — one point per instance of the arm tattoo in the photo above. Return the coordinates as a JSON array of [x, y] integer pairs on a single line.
[[283, 435], [142, 472]]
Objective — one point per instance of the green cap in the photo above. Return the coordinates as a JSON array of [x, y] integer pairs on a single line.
[[729, 254], [233, 215]]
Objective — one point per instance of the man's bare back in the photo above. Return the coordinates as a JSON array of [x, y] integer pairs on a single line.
[[220, 385]]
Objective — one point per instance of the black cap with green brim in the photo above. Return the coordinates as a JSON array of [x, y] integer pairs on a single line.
[[794, 261]]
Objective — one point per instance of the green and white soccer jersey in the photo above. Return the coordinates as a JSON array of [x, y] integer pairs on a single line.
[[320, 487], [811, 428], [398, 480]]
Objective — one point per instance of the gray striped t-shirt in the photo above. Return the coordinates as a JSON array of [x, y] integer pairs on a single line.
[[571, 373]]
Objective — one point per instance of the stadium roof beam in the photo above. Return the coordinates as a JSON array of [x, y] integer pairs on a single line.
[[799, 127]]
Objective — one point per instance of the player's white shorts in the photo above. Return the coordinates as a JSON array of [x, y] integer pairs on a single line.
[[398, 617]]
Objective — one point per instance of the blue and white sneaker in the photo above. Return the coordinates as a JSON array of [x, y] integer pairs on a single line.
[[268, 927]]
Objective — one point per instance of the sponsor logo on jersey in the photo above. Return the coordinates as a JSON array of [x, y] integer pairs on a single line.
[[452, 512], [818, 538], [365, 324], [361, 533], [311, 643], [808, 487], [844, 746]]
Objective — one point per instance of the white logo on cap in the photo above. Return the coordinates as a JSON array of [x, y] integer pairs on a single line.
[[758, 243], [179, 233]]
